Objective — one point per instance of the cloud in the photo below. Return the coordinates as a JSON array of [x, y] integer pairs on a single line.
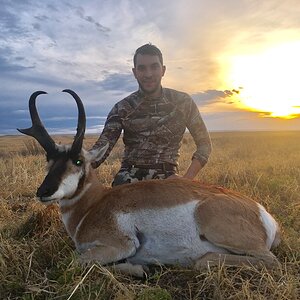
[[245, 121], [212, 96], [52, 7], [7, 67], [8, 23], [119, 82], [20, 112], [264, 114], [55, 117], [81, 13]]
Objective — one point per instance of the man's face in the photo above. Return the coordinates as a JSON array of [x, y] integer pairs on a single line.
[[148, 72]]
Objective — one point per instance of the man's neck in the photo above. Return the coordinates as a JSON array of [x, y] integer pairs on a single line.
[[154, 95]]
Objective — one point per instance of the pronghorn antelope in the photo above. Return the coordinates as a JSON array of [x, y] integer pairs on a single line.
[[151, 222]]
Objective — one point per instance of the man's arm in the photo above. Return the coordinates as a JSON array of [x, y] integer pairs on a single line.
[[198, 130], [110, 135], [191, 172], [201, 138], [193, 169]]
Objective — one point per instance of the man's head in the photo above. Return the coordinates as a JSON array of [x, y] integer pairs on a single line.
[[148, 49], [149, 69]]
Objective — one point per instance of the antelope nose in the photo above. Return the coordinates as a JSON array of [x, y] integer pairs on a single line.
[[44, 192]]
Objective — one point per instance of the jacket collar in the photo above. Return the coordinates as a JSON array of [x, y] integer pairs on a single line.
[[143, 97]]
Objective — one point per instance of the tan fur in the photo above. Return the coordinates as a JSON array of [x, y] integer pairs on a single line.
[[226, 219], [233, 223]]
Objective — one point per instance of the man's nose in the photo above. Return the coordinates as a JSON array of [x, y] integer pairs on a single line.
[[148, 73]]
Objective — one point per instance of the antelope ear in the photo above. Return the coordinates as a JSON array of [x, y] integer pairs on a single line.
[[95, 155]]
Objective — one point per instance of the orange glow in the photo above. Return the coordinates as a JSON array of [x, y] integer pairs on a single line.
[[268, 81]]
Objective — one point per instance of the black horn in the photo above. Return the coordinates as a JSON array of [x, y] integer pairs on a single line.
[[81, 123], [37, 130]]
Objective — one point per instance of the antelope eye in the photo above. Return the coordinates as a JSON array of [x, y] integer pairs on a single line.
[[78, 162]]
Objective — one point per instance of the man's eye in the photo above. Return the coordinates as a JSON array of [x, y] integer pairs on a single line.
[[78, 162], [155, 67]]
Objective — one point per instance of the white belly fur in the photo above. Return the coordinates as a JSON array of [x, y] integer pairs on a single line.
[[167, 236]]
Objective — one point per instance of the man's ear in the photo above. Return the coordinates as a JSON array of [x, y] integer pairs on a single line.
[[134, 72], [95, 155], [164, 68]]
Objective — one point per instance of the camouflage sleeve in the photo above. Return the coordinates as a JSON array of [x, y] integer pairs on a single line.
[[199, 133], [110, 134]]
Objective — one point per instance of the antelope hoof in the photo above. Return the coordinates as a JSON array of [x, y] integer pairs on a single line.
[[138, 271]]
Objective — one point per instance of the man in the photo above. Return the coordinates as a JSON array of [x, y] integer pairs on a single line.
[[154, 120]]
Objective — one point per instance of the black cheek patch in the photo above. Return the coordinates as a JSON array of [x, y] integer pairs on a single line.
[[53, 179]]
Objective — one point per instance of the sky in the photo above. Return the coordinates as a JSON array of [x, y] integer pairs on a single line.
[[238, 59]]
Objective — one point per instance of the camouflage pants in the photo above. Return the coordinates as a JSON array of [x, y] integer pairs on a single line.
[[129, 175]]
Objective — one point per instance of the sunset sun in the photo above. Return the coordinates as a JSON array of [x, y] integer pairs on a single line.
[[268, 82]]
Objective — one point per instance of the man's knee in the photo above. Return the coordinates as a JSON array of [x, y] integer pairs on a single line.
[[123, 177]]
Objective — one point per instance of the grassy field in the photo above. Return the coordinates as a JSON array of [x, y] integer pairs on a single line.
[[38, 260]]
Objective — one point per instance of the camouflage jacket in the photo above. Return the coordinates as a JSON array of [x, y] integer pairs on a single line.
[[153, 128]]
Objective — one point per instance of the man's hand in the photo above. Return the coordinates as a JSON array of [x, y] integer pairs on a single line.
[[191, 172], [174, 176]]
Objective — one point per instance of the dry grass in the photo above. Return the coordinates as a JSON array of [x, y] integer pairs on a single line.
[[38, 261]]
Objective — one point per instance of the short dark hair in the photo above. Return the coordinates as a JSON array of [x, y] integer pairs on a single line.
[[148, 49]]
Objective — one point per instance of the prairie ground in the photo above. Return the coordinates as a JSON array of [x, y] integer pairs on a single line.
[[38, 259]]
